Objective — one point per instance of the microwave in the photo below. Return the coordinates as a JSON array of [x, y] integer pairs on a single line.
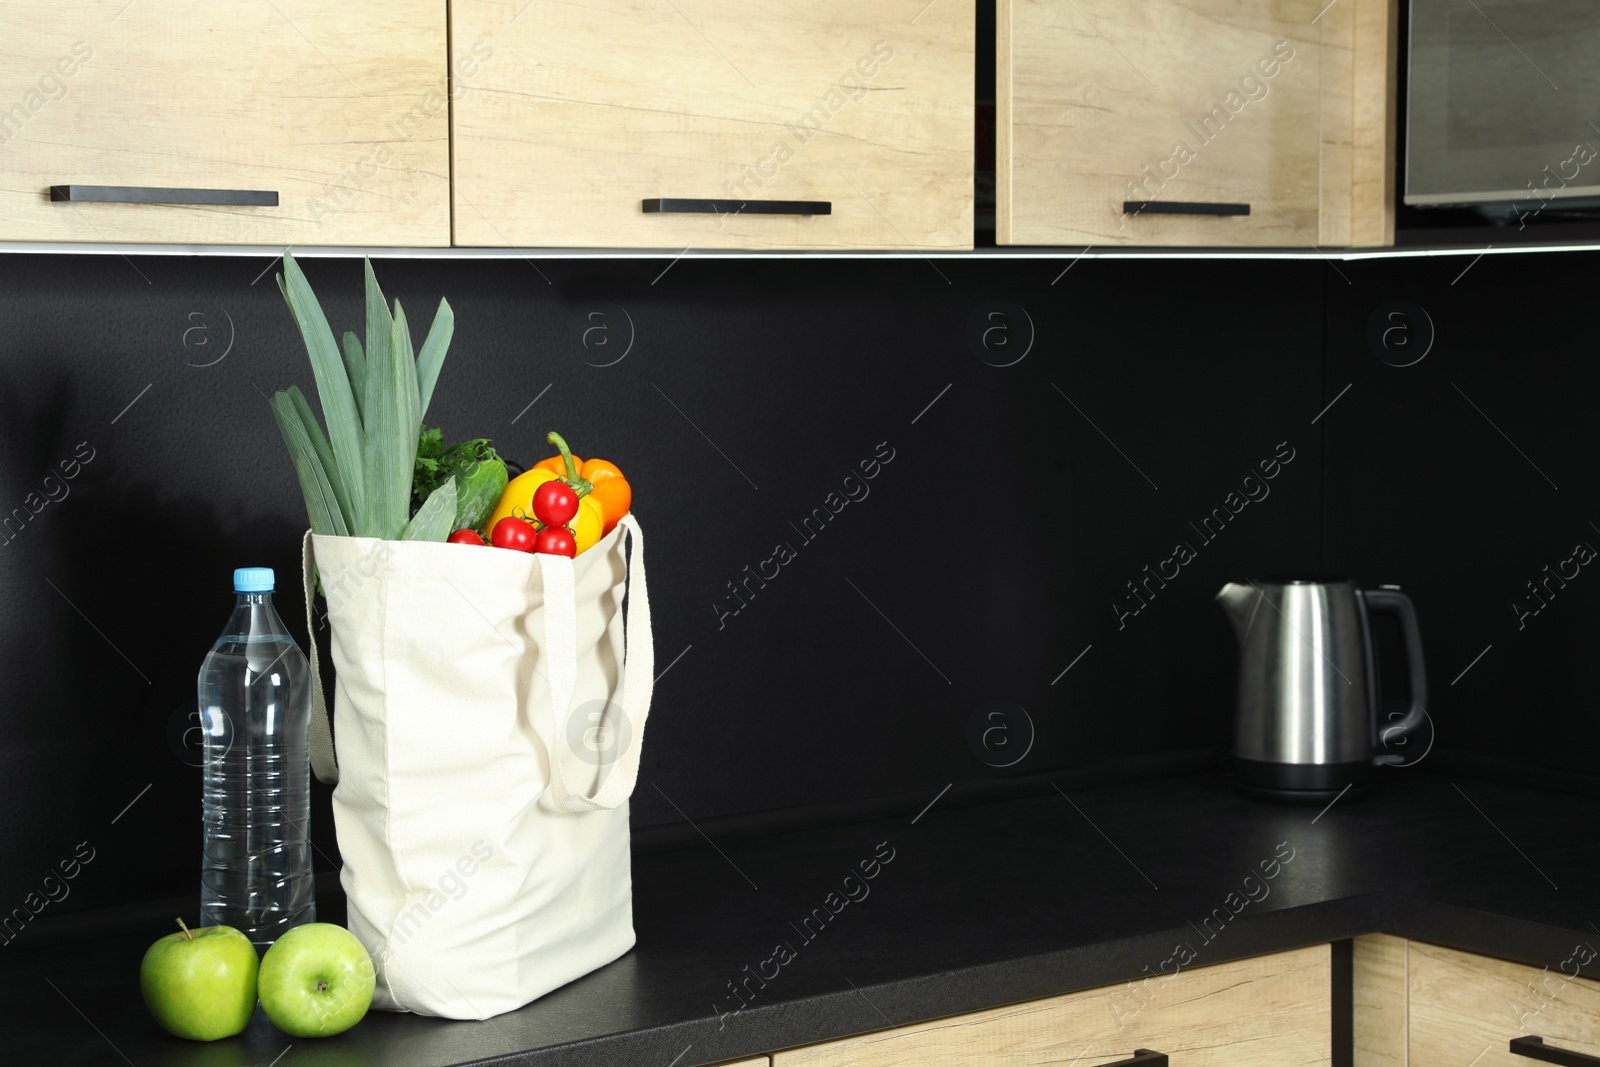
[[1503, 106]]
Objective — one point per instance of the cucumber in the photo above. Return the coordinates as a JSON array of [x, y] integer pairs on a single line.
[[479, 488]]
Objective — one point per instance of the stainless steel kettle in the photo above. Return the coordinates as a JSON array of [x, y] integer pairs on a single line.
[[1307, 725]]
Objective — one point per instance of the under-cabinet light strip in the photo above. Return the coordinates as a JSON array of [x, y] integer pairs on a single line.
[[353, 252]]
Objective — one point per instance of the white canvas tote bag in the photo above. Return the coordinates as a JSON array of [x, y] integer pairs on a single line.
[[488, 717]]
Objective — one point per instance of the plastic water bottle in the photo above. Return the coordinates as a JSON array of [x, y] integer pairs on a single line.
[[255, 702]]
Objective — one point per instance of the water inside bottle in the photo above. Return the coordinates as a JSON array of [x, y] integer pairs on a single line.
[[254, 704]]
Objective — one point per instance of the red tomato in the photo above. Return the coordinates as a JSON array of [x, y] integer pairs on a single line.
[[466, 537], [514, 533], [555, 503], [556, 541]]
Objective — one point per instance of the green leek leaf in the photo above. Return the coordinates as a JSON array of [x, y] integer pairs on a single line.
[[355, 365], [379, 326], [436, 518], [434, 347], [322, 507], [408, 409], [333, 385], [393, 427], [319, 447]]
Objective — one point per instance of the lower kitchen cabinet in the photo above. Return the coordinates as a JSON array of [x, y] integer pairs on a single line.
[[1378, 1016], [1412, 1004], [1270, 1011], [1421, 1004], [1466, 1008]]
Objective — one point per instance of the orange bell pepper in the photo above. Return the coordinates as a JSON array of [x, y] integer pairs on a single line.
[[556, 465], [610, 490]]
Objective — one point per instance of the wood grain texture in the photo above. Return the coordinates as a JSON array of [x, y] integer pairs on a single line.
[[590, 109], [1337, 50], [1215, 101], [1465, 1008], [340, 108], [1374, 125], [1271, 1011], [1004, 108], [1162, 100], [1359, 106], [1379, 1021]]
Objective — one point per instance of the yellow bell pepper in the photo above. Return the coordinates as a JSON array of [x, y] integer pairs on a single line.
[[588, 524]]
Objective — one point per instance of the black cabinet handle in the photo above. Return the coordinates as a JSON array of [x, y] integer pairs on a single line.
[[133, 194], [676, 206], [1182, 207], [1142, 1057], [1535, 1049]]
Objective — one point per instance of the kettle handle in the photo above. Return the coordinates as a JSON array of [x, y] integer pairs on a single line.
[[1392, 600]]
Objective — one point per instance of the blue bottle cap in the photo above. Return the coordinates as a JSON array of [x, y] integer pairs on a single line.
[[253, 580]]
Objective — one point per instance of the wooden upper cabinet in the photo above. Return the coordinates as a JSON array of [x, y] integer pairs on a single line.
[[1195, 122], [339, 108], [588, 111], [1271, 1011]]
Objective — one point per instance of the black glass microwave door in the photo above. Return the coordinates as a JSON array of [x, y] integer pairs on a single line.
[[1503, 101]]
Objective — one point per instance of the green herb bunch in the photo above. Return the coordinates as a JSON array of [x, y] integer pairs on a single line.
[[475, 467]]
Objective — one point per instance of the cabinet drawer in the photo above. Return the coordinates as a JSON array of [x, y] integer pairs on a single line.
[[340, 109], [1203, 106], [1272, 1011], [589, 111], [1466, 1008]]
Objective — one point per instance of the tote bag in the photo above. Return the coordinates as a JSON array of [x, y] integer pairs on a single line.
[[488, 715]]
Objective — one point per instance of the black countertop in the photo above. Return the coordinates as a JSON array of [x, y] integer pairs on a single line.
[[975, 907]]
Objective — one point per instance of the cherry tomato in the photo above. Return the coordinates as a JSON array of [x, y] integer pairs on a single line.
[[513, 533], [556, 465], [466, 537], [555, 541], [554, 503]]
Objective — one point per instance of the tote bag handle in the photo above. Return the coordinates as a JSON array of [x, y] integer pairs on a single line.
[[323, 762], [618, 759]]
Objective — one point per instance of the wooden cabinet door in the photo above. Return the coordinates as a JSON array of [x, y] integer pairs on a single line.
[[1272, 1011], [1191, 122], [338, 108], [590, 110], [1465, 1008]]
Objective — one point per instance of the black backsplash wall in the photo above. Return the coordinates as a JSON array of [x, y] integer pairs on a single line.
[[984, 560], [1464, 476]]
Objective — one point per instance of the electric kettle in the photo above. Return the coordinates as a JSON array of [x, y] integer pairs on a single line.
[[1307, 724]]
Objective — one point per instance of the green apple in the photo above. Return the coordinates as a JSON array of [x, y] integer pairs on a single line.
[[316, 981], [200, 984]]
